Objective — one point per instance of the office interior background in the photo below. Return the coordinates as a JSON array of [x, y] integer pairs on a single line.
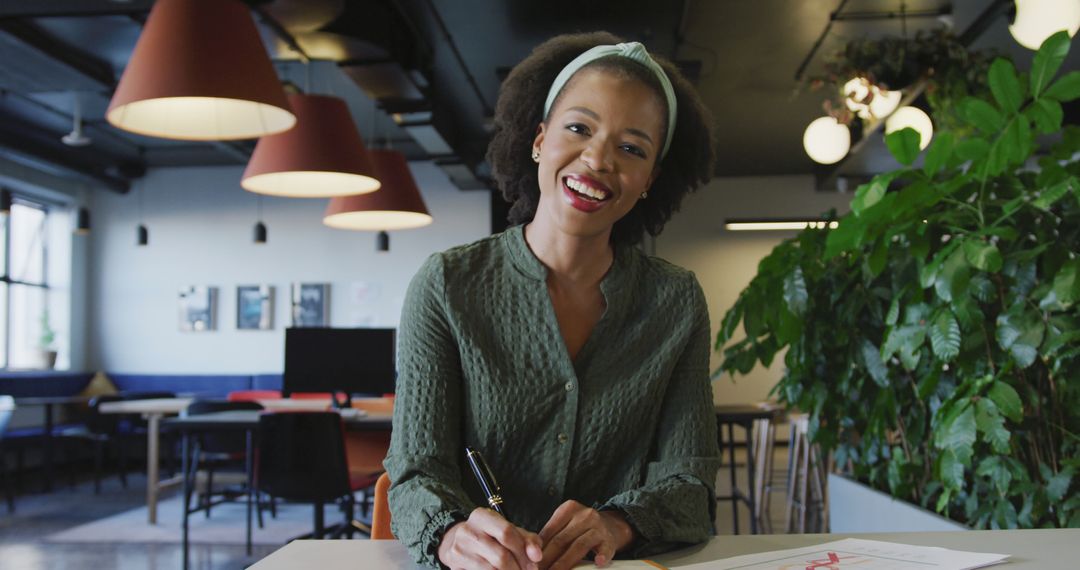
[[141, 257]]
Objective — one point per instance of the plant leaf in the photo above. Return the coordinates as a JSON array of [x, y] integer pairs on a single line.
[[981, 115], [1005, 86], [1020, 332], [1047, 61], [1007, 400], [952, 279], [874, 365], [983, 255], [945, 336], [997, 471], [992, 426], [904, 145], [1059, 484], [894, 312], [795, 294], [1067, 283], [1047, 115], [1065, 89], [958, 436], [867, 195], [972, 148], [937, 156], [1051, 195]]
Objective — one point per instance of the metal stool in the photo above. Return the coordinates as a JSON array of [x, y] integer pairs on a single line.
[[747, 416], [805, 473]]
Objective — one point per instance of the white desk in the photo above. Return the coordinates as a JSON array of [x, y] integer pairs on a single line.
[[153, 410], [1029, 549]]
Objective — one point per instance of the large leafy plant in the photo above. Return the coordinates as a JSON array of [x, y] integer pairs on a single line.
[[934, 335]]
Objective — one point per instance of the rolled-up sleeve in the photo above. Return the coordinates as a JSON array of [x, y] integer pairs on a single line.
[[676, 505], [426, 496]]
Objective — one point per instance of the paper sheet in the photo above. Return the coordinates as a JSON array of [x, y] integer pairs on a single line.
[[858, 554]]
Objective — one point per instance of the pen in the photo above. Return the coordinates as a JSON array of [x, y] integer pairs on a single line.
[[487, 481]]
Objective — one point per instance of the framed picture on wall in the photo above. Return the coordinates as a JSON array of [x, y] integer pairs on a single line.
[[310, 304], [198, 307], [255, 307]]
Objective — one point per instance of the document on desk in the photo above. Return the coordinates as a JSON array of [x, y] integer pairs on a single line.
[[858, 554]]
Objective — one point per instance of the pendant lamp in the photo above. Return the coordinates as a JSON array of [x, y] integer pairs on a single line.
[[200, 72], [398, 205], [82, 222], [826, 140], [322, 157], [1037, 20], [911, 117], [6, 201]]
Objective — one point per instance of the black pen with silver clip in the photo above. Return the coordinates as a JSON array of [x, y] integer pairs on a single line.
[[486, 479]]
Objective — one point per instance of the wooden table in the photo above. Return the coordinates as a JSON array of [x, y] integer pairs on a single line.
[[379, 419], [153, 410], [1029, 549]]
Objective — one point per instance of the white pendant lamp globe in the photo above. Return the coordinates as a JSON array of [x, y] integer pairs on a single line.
[[914, 118], [826, 140], [1037, 20], [882, 102]]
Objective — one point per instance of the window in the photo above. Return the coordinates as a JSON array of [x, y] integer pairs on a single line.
[[24, 286]]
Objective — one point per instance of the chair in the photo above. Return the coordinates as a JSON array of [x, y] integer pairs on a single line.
[[380, 514], [217, 451], [7, 409], [806, 490], [103, 431], [301, 458], [253, 395]]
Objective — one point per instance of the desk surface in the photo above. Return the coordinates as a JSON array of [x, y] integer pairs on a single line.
[[1044, 549], [247, 419]]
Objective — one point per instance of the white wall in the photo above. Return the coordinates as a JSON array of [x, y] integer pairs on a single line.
[[201, 225], [725, 262]]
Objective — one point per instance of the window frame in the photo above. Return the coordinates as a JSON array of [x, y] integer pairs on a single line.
[[5, 277]]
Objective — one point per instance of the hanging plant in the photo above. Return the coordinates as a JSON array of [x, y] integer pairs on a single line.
[[951, 71]]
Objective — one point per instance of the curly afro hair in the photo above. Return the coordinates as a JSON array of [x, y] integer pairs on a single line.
[[520, 109]]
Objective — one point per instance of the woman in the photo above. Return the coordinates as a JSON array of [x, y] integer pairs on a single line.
[[576, 364]]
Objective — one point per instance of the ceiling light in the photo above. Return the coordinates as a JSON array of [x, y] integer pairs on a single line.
[[200, 72], [398, 205], [1037, 20], [868, 100], [322, 157], [912, 117], [777, 225], [884, 102], [76, 136], [826, 140], [82, 223]]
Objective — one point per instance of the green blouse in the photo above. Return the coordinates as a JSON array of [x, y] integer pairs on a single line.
[[628, 425]]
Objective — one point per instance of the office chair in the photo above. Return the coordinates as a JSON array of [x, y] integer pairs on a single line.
[[380, 514], [103, 431], [219, 451], [253, 395], [301, 458]]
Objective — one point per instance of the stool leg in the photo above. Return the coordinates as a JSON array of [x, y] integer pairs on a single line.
[[732, 467], [751, 486]]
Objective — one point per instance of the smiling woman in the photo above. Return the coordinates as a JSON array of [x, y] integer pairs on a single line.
[[577, 365]]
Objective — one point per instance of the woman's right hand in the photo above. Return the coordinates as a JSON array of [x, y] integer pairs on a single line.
[[487, 540]]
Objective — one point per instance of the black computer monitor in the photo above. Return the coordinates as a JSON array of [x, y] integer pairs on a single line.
[[349, 361]]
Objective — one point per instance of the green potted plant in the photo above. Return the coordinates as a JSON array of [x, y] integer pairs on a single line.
[[934, 335], [45, 342]]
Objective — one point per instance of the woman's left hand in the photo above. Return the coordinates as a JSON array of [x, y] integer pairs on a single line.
[[574, 530]]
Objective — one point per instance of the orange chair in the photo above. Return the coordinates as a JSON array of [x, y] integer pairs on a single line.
[[380, 514], [253, 395]]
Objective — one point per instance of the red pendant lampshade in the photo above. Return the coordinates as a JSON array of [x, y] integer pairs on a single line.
[[397, 206], [321, 157], [200, 72]]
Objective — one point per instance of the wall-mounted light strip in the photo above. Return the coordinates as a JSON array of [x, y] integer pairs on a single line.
[[776, 225]]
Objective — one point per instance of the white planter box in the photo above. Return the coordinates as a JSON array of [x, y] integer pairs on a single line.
[[854, 507]]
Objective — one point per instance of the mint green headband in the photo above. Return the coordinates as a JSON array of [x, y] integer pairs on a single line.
[[632, 50]]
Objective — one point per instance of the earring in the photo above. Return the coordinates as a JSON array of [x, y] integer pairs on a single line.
[[644, 194], [536, 156]]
